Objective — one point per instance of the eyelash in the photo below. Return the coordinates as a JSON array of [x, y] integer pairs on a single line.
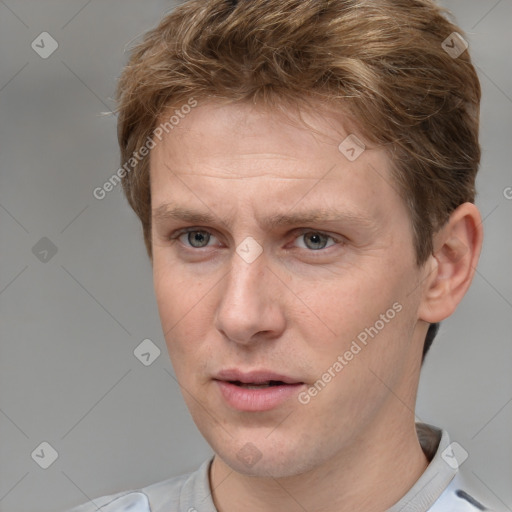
[[302, 232]]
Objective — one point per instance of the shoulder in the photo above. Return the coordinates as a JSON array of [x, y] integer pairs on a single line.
[[447, 484], [170, 494], [463, 494], [130, 500]]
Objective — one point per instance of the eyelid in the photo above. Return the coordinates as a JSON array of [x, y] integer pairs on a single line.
[[302, 231], [179, 232]]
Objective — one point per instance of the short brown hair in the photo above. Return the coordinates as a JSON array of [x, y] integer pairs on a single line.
[[381, 59], [383, 62]]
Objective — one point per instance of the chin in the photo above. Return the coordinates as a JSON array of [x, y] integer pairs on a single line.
[[274, 467], [262, 458], [263, 451]]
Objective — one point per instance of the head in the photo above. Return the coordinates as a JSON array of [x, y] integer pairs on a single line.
[[297, 252]]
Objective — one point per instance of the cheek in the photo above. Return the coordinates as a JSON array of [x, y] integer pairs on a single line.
[[182, 302], [371, 308], [177, 291], [343, 305]]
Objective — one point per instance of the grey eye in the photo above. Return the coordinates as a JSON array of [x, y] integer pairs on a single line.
[[315, 241], [198, 239]]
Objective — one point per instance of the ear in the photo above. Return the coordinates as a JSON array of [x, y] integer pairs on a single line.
[[451, 267]]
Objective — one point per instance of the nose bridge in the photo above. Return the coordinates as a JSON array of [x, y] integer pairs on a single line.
[[243, 289], [247, 305]]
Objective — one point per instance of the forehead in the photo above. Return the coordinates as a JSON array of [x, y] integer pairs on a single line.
[[237, 150], [214, 132]]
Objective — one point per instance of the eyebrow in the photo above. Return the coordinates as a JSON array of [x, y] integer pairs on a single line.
[[166, 212]]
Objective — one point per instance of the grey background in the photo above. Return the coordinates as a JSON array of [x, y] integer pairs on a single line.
[[69, 326]]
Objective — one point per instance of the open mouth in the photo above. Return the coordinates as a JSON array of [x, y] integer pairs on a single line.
[[263, 385], [256, 391]]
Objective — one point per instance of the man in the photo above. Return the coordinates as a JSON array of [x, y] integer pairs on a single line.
[[304, 173]]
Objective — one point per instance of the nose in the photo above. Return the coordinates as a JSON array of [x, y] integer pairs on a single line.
[[250, 308]]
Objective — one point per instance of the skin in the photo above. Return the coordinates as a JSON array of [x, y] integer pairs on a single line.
[[299, 305]]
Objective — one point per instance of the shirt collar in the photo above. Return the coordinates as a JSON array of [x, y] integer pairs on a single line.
[[436, 477]]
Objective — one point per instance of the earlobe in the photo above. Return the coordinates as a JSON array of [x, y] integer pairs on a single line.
[[452, 265]]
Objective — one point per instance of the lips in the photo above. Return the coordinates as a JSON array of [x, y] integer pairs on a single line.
[[259, 390]]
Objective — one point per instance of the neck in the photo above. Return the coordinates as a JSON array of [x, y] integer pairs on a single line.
[[372, 474]]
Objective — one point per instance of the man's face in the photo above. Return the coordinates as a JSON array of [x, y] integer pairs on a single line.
[[328, 309]]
